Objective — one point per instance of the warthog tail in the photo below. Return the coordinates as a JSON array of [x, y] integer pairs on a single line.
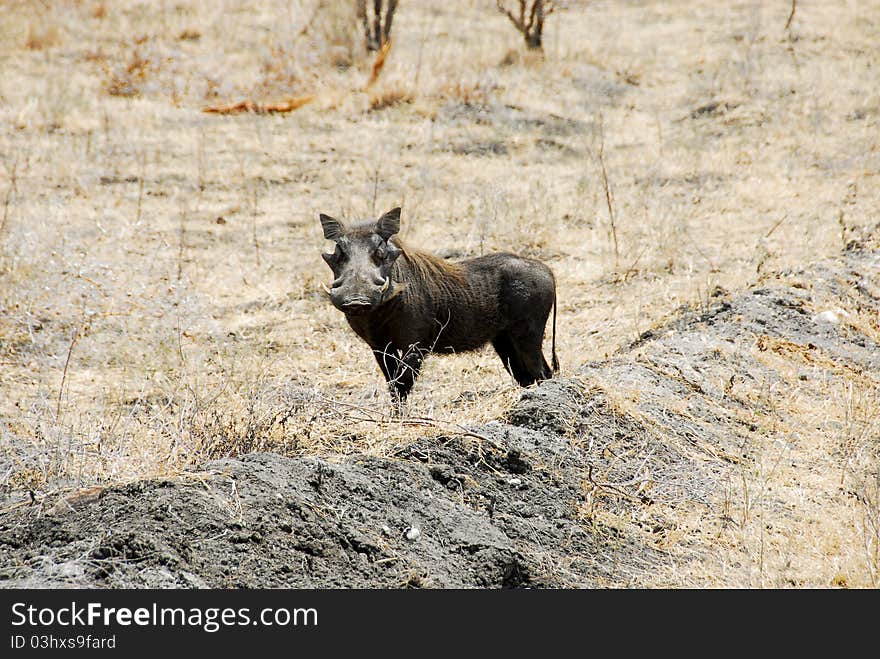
[[555, 360]]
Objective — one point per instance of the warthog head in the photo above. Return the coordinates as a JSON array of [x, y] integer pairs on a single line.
[[361, 262]]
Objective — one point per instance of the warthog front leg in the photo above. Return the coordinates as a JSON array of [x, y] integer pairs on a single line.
[[388, 359], [407, 371], [400, 372]]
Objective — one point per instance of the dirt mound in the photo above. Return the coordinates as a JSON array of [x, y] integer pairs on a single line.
[[588, 481]]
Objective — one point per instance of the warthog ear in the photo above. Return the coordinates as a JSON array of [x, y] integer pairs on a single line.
[[388, 224], [333, 228]]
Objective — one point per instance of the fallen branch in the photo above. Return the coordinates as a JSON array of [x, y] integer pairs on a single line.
[[615, 487], [278, 107]]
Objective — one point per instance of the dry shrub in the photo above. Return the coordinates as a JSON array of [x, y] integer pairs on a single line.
[[528, 18], [242, 426], [388, 98], [466, 92], [129, 78], [96, 55], [189, 34], [41, 35], [526, 58]]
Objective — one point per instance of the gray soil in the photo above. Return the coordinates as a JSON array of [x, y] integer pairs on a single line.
[[512, 503]]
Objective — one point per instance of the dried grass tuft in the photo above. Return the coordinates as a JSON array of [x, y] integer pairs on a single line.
[[388, 98], [41, 35]]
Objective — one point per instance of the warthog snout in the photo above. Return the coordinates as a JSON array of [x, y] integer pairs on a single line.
[[407, 303]]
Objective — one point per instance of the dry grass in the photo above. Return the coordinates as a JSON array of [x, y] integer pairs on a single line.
[[733, 148], [388, 97]]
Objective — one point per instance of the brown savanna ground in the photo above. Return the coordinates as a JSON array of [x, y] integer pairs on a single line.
[[160, 298]]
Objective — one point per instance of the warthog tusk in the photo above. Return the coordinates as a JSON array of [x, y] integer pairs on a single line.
[[386, 284], [324, 286]]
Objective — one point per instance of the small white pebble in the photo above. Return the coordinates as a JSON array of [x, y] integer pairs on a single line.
[[830, 316], [386, 529], [514, 481], [413, 533]]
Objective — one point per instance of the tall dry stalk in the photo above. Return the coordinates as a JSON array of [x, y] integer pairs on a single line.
[[608, 194]]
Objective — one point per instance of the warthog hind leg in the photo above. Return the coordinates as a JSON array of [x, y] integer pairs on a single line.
[[521, 354], [510, 358]]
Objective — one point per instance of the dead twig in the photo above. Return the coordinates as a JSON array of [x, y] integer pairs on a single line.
[[457, 427], [631, 270], [614, 487], [608, 195], [791, 15], [76, 335], [776, 226]]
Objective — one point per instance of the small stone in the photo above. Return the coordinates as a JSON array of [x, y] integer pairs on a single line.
[[413, 533], [832, 316], [514, 481], [386, 529]]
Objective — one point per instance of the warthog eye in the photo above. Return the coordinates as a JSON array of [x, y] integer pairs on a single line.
[[380, 254], [333, 260]]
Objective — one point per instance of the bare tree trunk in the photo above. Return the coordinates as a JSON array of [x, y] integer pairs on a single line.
[[377, 24], [532, 28], [535, 39], [389, 17], [376, 42]]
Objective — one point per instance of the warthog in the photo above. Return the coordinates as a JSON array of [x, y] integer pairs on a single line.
[[406, 303]]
